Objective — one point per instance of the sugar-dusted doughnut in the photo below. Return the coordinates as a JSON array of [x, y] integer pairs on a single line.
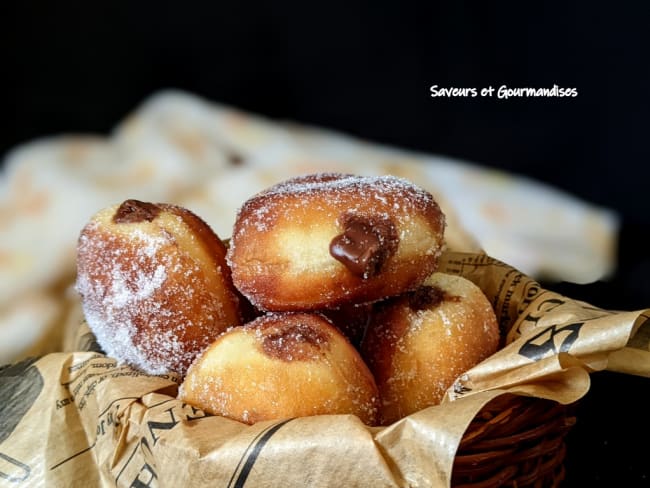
[[417, 344], [321, 240], [154, 284], [282, 365]]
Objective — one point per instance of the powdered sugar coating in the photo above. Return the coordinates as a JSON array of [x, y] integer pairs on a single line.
[[389, 193], [149, 294]]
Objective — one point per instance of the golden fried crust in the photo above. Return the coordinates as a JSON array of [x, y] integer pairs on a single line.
[[418, 344], [320, 241], [282, 365], [154, 283]]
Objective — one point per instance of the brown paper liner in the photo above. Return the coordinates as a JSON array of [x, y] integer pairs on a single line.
[[80, 418]]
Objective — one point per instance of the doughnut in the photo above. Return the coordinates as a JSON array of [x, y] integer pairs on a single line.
[[320, 240], [281, 365], [417, 344], [154, 284]]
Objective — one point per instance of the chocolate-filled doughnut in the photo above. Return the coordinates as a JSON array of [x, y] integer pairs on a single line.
[[154, 284], [322, 240], [282, 365], [417, 344]]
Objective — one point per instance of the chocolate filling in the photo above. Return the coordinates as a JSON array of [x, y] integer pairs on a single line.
[[133, 211], [295, 342], [365, 244], [428, 297]]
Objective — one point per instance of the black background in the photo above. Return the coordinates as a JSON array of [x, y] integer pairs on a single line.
[[366, 69]]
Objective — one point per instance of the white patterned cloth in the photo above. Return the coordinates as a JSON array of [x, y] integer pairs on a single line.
[[210, 158]]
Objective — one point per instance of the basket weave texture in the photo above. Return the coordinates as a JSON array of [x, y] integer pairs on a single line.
[[514, 441]]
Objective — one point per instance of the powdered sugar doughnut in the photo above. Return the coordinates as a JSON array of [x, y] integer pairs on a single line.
[[282, 365], [154, 284], [417, 344], [321, 240]]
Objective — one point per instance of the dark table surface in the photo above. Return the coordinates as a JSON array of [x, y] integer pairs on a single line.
[[607, 445]]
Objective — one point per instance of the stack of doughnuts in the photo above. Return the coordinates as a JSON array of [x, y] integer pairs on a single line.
[[349, 314]]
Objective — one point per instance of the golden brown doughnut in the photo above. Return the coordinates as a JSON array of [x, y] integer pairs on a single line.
[[417, 344], [322, 240], [282, 365], [154, 284]]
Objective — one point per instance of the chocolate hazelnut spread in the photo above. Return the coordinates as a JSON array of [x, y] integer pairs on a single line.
[[134, 211], [428, 297], [295, 342], [365, 244]]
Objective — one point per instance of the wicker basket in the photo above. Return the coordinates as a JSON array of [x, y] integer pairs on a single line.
[[514, 441]]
